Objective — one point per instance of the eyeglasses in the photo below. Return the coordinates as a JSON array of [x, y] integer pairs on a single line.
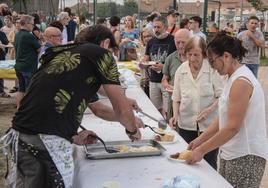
[[31, 24], [211, 60]]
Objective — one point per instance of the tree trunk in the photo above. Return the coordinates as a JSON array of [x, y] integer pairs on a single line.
[[263, 55], [25, 5]]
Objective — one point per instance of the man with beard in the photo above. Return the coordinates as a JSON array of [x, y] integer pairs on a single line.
[[252, 39], [157, 49]]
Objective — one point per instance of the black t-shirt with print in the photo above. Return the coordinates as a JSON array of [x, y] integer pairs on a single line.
[[158, 50], [68, 78]]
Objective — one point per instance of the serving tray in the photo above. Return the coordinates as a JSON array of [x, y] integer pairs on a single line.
[[97, 151]]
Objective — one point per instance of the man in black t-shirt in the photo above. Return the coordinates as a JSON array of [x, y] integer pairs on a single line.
[[157, 50], [53, 107]]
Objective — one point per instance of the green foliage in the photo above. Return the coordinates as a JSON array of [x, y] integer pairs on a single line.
[[130, 7], [258, 5], [264, 61]]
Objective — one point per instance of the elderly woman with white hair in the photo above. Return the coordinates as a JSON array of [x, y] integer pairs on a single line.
[[64, 19], [197, 88]]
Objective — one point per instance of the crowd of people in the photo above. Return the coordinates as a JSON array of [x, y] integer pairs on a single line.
[[206, 90]]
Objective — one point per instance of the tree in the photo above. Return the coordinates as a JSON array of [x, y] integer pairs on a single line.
[[259, 5], [130, 7], [24, 2]]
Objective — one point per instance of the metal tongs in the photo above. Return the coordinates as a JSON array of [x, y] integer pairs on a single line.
[[152, 128], [107, 149], [161, 123]]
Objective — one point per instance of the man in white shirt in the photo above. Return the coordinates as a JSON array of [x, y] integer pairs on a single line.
[[195, 24]]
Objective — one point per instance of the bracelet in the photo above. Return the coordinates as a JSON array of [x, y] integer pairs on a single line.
[[132, 133]]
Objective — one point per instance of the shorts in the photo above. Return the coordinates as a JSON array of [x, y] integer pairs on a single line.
[[243, 172], [158, 96], [24, 79]]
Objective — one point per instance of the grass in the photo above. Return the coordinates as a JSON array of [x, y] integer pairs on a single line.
[[264, 61]]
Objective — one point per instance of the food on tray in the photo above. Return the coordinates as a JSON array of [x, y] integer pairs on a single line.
[[184, 155], [168, 137], [128, 149]]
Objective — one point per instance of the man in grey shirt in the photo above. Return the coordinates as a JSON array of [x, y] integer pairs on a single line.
[[252, 39], [172, 62]]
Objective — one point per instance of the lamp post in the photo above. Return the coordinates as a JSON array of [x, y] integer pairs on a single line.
[[94, 11], [175, 4], [205, 16]]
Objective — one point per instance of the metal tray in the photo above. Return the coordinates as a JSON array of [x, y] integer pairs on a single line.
[[97, 151]]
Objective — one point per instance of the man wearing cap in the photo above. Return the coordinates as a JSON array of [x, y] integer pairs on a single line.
[[171, 19]]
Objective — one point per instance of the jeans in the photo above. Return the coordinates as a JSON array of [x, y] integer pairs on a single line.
[[254, 68]]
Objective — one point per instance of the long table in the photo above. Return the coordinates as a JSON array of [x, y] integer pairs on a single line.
[[142, 172], [7, 70]]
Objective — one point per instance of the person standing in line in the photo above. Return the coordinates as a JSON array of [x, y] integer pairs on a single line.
[[172, 63], [157, 50], [197, 88], [26, 48], [240, 128], [252, 39]]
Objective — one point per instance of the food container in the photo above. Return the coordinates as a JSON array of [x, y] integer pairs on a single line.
[[97, 151]]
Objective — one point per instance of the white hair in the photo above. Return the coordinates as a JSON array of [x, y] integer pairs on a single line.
[[63, 15]]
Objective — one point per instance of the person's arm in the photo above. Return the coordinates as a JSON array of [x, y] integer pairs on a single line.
[[117, 37], [212, 129], [176, 99], [239, 97], [122, 109], [202, 116], [103, 111], [165, 82]]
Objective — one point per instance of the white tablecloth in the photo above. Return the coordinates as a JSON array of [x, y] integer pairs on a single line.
[[143, 172]]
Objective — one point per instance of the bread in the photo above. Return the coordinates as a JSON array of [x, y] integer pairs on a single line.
[[184, 155], [168, 137]]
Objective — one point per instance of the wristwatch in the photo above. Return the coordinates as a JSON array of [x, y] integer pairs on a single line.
[[132, 133]]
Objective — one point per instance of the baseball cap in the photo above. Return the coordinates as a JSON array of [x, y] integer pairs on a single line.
[[172, 11]]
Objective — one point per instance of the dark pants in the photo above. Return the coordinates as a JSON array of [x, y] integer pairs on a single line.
[[189, 136], [35, 165], [254, 68], [1, 85]]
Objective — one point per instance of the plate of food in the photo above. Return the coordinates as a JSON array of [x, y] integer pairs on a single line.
[[180, 156], [149, 63], [168, 137]]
